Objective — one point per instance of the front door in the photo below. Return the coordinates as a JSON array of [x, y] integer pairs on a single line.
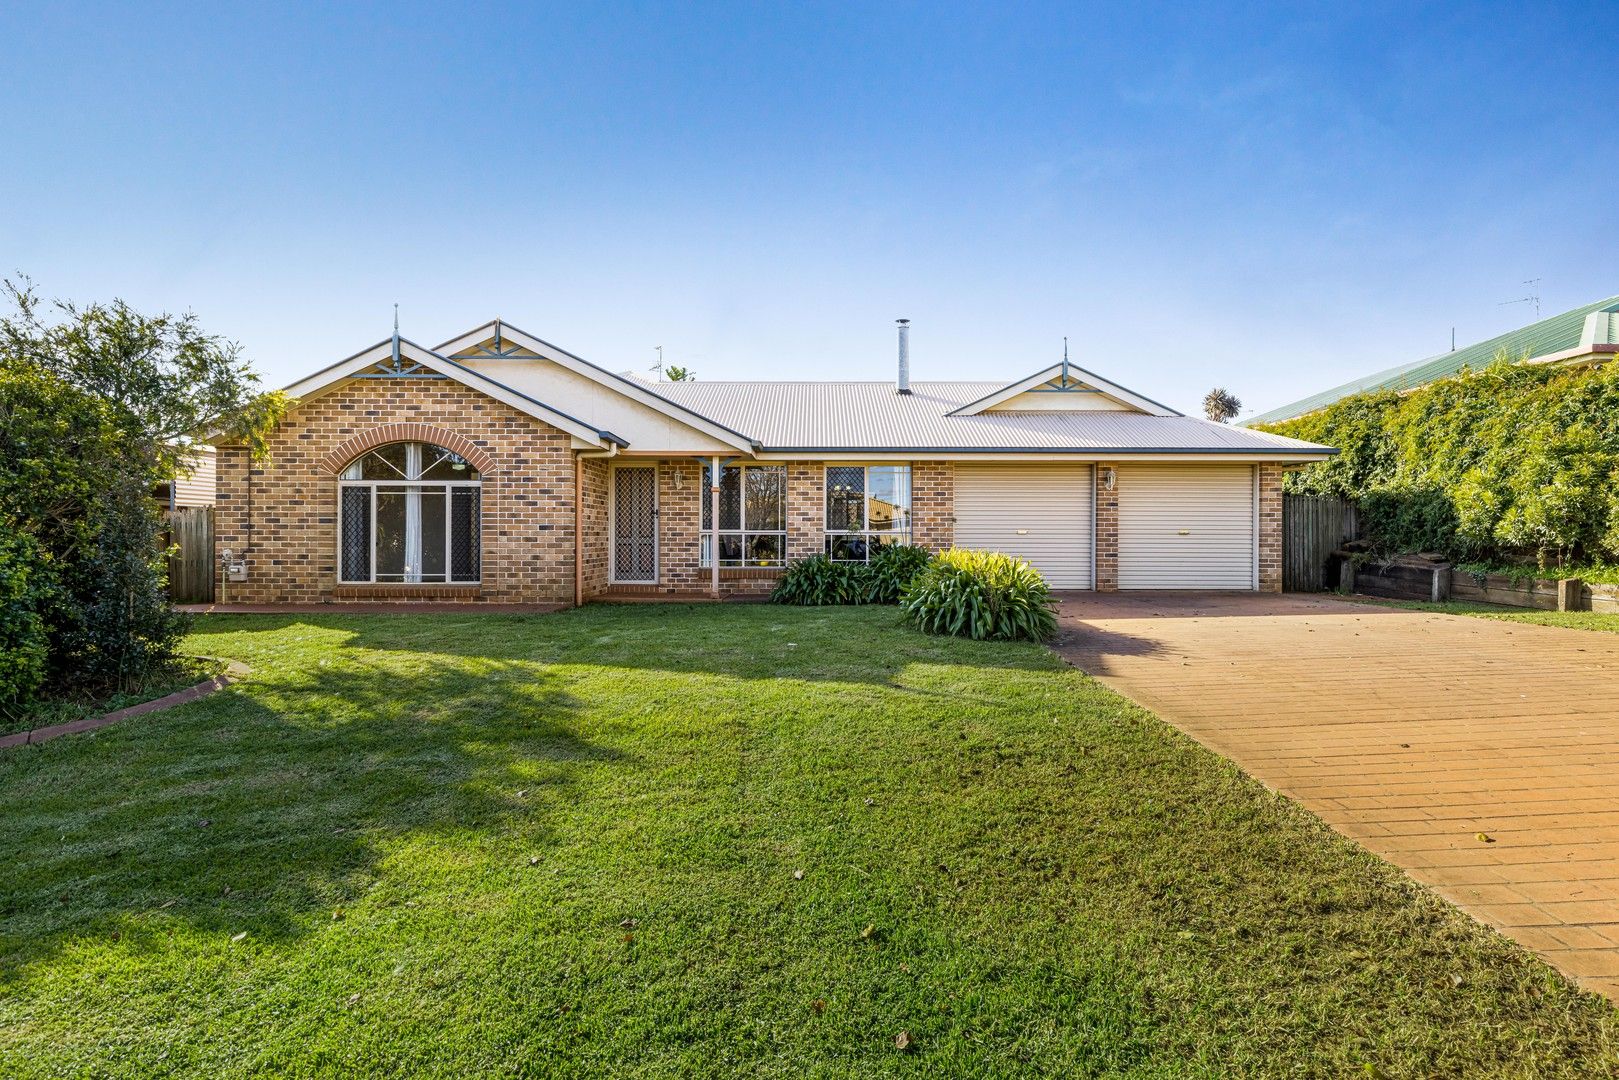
[[635, 524]]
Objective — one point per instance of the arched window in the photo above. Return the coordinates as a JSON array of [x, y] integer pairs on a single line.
[[408, 512]]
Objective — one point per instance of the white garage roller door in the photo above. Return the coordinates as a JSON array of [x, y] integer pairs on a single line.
[[1186, 527], [1041, 513]]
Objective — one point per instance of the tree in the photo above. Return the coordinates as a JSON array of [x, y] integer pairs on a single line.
[[98, 404], [1220, 405], [677, 373]]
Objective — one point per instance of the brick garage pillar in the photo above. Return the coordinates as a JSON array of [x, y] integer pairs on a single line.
[[1107, 527], [933, 504], [1270, 527]]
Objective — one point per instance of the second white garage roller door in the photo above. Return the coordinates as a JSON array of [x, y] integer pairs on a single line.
[[1186, 527], [1041, 513]]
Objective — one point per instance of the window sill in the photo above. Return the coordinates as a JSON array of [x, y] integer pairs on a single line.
[[742, 573], [406, 592]]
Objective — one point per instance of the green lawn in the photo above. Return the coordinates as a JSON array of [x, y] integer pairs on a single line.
[[1575, 620], [465, 845], [187, 671]]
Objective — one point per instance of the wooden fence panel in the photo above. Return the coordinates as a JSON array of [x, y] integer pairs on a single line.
[[191, 568], [1313, 527]]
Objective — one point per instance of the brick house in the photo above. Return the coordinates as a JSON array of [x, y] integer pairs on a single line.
[[497, 467]]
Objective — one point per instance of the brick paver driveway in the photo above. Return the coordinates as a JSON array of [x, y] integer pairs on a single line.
[[1409, 732]]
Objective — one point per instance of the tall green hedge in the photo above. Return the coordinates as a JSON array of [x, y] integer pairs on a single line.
[[1513, 462]]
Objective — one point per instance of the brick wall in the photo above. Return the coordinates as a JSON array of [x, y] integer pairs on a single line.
[[806, 509], [1270, 527], [290, 544], [593, 501], [1107, 528], [933, 504]]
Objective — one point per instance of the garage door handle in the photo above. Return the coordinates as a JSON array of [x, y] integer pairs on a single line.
[[1023, 532], [1186, 532]]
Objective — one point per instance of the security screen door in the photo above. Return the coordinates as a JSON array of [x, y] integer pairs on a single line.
[[635, 524]]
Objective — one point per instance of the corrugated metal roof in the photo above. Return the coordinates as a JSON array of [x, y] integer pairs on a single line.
[[871, 416], [1554, 335]]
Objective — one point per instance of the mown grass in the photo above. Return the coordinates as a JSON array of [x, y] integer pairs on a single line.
[[569, 845], [1574, 620], [64, 707]]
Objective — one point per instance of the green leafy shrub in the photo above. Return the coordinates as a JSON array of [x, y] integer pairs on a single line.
[[980, 595], [26, 593], [816, 582], [892, 568], [96, 406], [1514, 463]]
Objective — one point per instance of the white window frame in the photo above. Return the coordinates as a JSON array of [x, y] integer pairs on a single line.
[[705, 537], [412, 575], [865, 532]]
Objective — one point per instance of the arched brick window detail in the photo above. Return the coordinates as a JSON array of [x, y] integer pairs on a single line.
[[409, 512], [334, 461]]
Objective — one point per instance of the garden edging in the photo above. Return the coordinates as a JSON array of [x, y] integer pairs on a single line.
[[234, 670]]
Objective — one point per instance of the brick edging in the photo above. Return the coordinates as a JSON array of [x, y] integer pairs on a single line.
[[234, 670]]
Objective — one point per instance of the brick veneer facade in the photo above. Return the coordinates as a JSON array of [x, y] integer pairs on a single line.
[[1107, 526], [933, 504], [289, 546], [1270, 527], [529, 489]]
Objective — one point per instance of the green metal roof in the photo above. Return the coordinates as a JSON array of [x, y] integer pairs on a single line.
[[1554, 335]]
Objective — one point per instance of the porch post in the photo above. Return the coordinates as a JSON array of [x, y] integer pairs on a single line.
[[714, 519]]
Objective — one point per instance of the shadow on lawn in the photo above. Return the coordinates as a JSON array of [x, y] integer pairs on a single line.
[[265, 808], [834, 644]]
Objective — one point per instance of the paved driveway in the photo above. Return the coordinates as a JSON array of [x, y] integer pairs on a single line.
[[1409, 732]]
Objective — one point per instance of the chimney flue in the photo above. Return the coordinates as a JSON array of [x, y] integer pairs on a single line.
[[902, 384]]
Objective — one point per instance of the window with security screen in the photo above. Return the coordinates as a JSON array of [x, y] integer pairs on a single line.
[[867, 507], [409, 513]]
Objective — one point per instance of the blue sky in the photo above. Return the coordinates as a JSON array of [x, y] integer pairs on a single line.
[[1270, 199]]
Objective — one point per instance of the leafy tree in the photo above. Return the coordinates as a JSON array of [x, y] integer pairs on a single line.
[[1221, 405], [676, 373], [97, 405]]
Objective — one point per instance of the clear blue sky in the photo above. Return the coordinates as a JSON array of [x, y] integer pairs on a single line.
[[1273, 201]]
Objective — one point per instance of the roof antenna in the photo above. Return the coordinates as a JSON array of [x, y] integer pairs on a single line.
[[1065, 359], [1453, 339], [1532, 298], [658, 367], [497, 333], [396, 335]]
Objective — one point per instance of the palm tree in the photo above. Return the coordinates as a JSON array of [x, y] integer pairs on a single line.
[[1220, 405]]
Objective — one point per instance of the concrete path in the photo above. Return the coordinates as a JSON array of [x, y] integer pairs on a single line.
[[1409, 732]]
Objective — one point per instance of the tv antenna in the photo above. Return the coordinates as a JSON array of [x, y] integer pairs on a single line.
[[658, 367], [1533, 297]]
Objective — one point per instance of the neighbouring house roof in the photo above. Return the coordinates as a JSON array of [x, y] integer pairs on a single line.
[[1060, 410], [1591, 331]]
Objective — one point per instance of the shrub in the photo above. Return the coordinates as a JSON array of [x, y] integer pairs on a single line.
[[816, 582], [1511, 463], [26, 591], [892, 568], [980, 595], [96, 405]]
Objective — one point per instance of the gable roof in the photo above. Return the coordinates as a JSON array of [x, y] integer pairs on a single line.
[[852, 417], [366, 360], [1064, 375], [758, 417], [1569, 333], [467, 345]]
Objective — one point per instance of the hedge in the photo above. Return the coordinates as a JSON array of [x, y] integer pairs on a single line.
[[1505, 464]]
